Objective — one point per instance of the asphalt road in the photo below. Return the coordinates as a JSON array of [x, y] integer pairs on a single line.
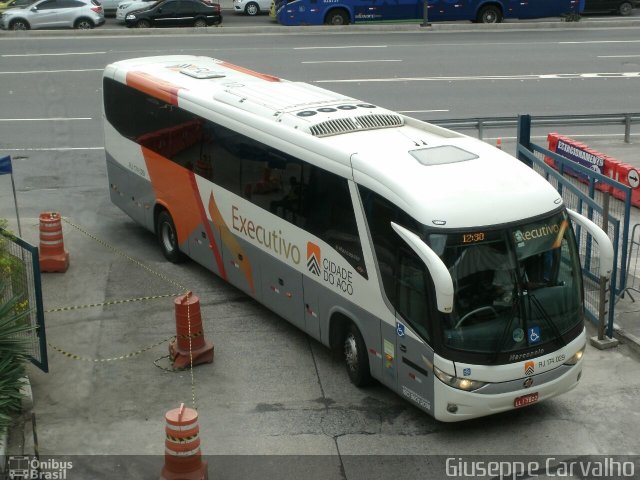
[[272, 390], [434, 75]]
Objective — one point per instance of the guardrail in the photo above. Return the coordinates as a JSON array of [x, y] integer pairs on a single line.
[[482, 123]]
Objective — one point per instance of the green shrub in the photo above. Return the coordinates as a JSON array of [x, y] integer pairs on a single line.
[[14, 328]]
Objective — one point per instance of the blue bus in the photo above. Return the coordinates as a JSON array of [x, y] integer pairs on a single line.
[[344, 12]]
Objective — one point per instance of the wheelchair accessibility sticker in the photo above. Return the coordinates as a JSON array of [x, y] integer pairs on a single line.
[[400, 329], [534, 335]]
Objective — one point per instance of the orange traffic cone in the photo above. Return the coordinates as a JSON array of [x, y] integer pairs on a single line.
[[189, 342], [182, 455], [53, 256], [499, 143]]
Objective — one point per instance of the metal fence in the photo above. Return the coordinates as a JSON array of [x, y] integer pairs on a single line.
[[24, 282], [481, 123], [598, 207], [632, 283]]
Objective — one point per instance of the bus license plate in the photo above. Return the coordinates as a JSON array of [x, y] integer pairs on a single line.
[[525, 400]]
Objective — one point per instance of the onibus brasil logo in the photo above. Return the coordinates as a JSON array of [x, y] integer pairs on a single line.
[[26, 467]]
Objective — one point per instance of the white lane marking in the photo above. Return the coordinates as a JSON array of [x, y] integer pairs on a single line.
[[618, 56], [351, 61], [52, 71], [49, 149], [421, 111], [50, 119], [341, 47], [52, 54], [548, 76], [592, 42]]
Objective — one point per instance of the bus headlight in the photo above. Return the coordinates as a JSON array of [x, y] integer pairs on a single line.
[[577, 357], [455, 382]]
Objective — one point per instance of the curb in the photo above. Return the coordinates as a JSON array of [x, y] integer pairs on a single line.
[[344, 29], [627, 338]]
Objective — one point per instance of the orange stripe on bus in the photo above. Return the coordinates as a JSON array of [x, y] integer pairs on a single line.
[[160, 89], [263, 76], [207, 226], [172, 187]]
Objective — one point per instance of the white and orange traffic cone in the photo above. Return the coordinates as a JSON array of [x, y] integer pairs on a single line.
[[53, 256], [182, 455]]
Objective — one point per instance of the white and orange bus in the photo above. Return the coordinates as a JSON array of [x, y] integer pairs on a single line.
[[442, 267]]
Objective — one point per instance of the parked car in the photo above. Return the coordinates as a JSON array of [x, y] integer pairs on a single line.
[[251, 7], [176, 13], [109, 6], [621, 7], [127, 6], [53, 14], [7, 4]]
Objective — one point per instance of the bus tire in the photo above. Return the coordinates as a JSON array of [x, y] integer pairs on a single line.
[[168, 238], [356, 358], [337, 16], [489, 14], [625, 9]]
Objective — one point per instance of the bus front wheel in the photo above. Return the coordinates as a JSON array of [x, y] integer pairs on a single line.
[[337, 17], [168, 238], [356, 357], [489, 14]]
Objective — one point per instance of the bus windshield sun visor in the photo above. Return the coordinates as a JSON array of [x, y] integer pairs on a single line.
[[601, 238], [439, 273]]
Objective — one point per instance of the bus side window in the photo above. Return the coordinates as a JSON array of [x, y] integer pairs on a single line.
[[403, 274], [411, 291], [328, 208]]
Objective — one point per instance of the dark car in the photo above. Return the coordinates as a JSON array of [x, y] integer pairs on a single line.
[[622, 7], [176, 13]]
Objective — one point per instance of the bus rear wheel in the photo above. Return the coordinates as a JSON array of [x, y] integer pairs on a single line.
[[168, 238], [625, 9], [337, 17], [489, 14], [356, 357]]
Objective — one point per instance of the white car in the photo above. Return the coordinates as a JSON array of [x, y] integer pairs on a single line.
[[126, 6], [251, 7]]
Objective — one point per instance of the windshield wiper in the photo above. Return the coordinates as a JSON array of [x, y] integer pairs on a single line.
[[546, 317]]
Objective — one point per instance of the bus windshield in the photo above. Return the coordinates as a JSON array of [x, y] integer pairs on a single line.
[[514, 288]]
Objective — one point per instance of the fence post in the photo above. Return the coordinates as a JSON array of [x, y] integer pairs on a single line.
[[600, 341], [425, 14], [627, 128], [524, 138]]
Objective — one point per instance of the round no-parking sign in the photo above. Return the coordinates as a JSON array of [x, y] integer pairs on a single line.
[[633, 178]]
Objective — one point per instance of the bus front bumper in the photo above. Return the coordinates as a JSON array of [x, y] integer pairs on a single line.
[[454, 405]]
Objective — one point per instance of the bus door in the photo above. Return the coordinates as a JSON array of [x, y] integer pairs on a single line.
[[416, 311], [413, 318]]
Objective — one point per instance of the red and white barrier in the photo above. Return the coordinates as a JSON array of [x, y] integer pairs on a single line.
[[599, 162]]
